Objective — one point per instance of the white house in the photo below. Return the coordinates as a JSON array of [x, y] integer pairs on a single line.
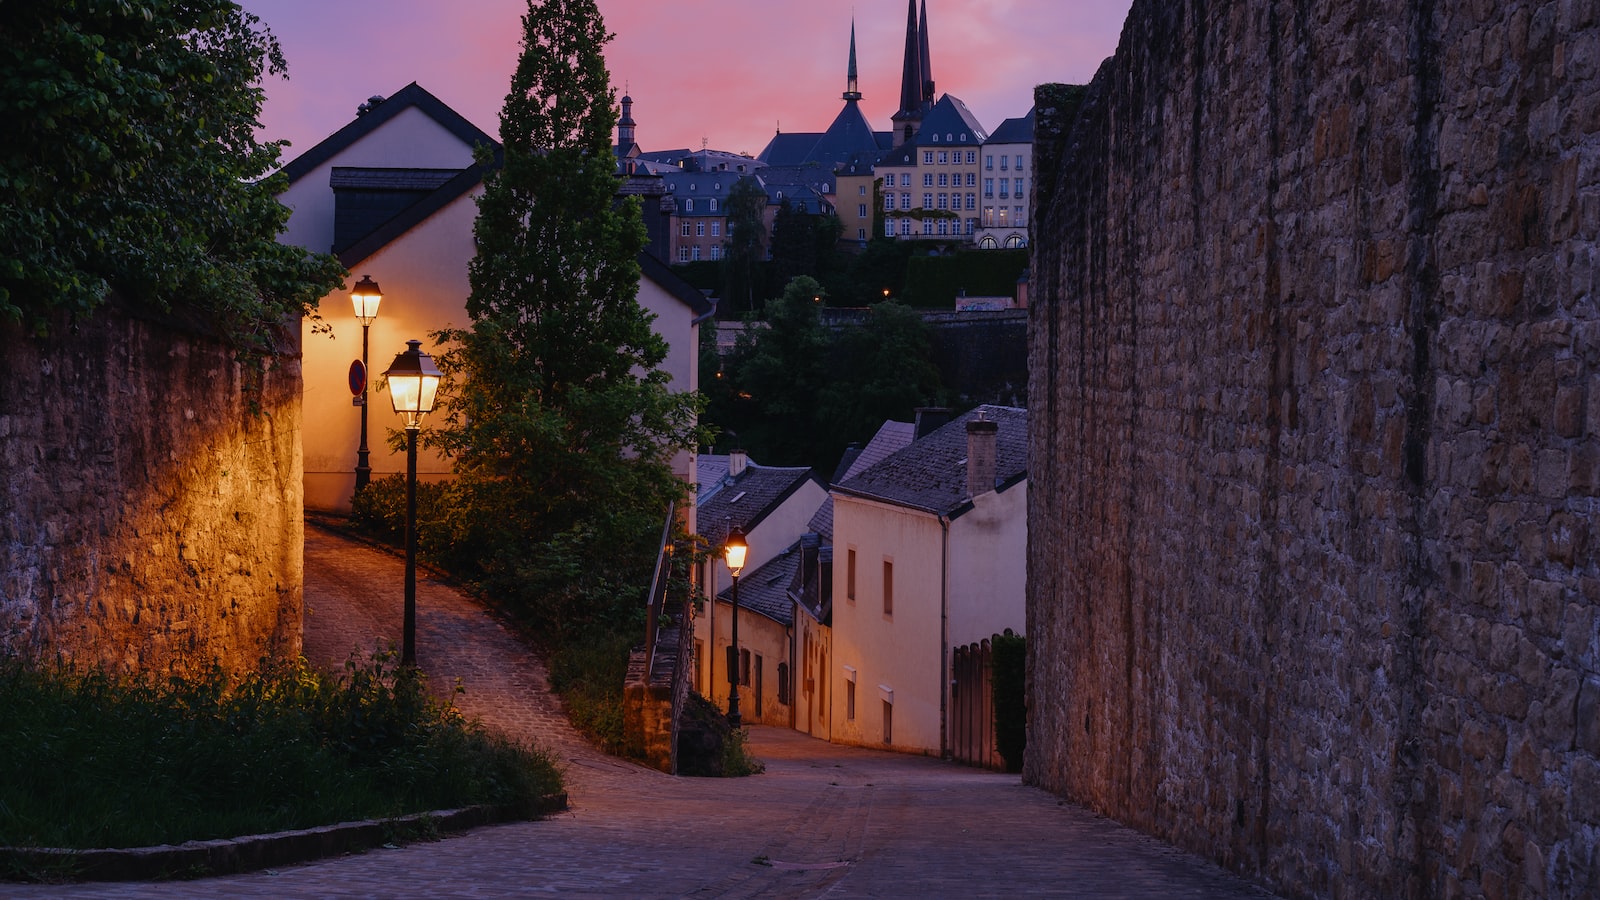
[[773, 506], [928, 554], [393, 195]]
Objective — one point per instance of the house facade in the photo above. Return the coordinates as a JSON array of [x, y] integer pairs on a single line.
[[393, 195], [928, 555], [1007, 184]]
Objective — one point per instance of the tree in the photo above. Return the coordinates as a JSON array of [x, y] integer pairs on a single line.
[[559, 423], [747, 244], [884, 370], [130, 165]]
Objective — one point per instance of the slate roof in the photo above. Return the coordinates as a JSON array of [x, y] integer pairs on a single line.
[[931, 474], [709, 470], [822, 520], [765, 590], [1014, 131], [409, 97], [892, 437], [746, 499], [700, 186], [812, 587], [950, 119]]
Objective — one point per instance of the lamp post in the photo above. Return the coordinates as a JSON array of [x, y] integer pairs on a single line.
[[413, 382], [365, 298], [733, 550]]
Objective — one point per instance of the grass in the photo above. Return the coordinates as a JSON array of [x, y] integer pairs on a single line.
[[91, 760]]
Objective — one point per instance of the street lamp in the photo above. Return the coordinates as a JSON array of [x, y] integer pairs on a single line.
[[413, 382], [734, 549], [365, 298]]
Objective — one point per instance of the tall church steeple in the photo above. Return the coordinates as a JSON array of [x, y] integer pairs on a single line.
[[852, 92], [925, 59], [916, 77]]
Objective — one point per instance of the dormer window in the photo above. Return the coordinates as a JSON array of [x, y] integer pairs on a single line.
[[713, 204], [936, 139], [688, 206]]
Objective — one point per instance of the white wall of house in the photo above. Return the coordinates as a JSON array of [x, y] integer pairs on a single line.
[[988, 566], [890, 663], [813, 657], [412, 139], [765, 645]]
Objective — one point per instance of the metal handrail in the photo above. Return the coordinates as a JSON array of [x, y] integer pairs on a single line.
[[656, 602]]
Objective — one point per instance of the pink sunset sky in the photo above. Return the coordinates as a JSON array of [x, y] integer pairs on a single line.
[[720, 71]]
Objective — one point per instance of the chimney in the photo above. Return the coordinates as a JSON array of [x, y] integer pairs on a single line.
[[738, 461], [929, 420], [982, 440]]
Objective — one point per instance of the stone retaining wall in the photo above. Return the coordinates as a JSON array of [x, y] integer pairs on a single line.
[[1315, 463], [150, 519]]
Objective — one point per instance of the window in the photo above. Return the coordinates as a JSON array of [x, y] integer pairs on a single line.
[[684, 229], [905, 179], [861, 190], [927, 157], [861, 211], [861, 234], [905, 226], [716, 251], [972, 159], [927, 226], [888, 228], [944, 201], [756, 684], [688, 205], [1005, 194], [944, 227], [888, 201], [683, 254], [944, 157], [905, 201], [888, 722], [988, 216], [716, 229], [988, 187], [988, 160], [1019, 162], [927, 201], [850, 699], [1016, 215], [971, 224], [713, 204], [1018, 188], [700, 229], [944, 179], [972, 179], [695, 253], [972, 201], [850, 556], [783, 683], [1003, 159], [927, 179]]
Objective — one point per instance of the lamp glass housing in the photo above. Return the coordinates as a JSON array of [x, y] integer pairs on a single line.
[[734, 550], [413, 383], [365, 299]]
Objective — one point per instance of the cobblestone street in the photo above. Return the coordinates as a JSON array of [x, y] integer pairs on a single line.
[[822, 820]]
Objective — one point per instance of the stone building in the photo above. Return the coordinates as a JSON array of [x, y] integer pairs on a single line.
[[1315, 459]]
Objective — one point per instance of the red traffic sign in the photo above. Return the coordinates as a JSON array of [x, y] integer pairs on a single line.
[[358, 378]]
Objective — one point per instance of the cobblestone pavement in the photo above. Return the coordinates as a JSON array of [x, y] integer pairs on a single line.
[[822, 821]]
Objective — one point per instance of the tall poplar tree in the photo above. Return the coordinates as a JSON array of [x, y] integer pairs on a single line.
[[560, 425]]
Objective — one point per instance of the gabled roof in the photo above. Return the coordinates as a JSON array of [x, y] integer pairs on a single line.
[[765, 589], [1014, 131], [931, 474], [415, 214], [948, 121], [891, 438], [789, 149], [709, 470], [673, 283], [749, 497], [411, 96], [812, 587]]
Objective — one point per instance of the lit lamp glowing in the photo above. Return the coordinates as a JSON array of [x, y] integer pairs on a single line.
[[365, 298], [413, 383], [734, 550]]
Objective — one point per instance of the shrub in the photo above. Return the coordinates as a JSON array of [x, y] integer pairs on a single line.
[[1009, 675]]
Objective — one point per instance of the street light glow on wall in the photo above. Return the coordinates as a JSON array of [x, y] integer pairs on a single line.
[[734, 550], [413, 383], [365, 298]]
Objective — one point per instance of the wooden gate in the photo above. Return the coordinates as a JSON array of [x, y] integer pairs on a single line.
[[972, 707]]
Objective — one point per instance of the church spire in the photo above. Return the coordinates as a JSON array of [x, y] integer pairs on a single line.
[[911, 74], [852, 92], [925, 60]]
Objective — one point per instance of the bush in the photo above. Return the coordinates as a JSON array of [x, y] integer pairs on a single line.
[[1008, 674], [92, 760], [588, 673]]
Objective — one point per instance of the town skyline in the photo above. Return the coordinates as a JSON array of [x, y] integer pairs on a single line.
[[988, 54]]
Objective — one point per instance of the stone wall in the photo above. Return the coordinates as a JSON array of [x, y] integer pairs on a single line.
[[1315, 462], [150, 520]]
